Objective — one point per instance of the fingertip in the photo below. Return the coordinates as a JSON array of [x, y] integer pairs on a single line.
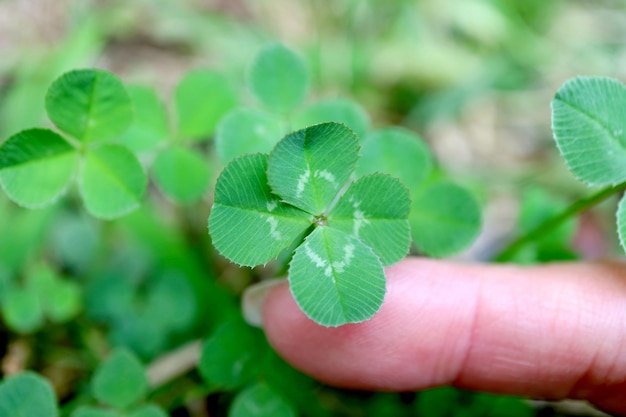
[[373, 354]]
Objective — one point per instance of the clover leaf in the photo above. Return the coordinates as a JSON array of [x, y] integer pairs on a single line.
[[36, 166], [279, 78], [27, 394], [120, 381], [202, 97], [89, 105], [589, 126], [302, 194], [260, 400]]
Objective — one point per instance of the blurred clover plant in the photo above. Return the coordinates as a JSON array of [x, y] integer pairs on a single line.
[[91, 107]]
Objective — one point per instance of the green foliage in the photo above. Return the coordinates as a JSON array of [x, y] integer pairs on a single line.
[[149, 410], [336, 274], [538, 206], [69, 228], [589, 125], [231, 356], [180, 171], [244, 207], [28, 234], [22, 309], [27, 395], [112, 182], [87, 411], [120, 381], [151, 282], [446, 401], [150, 123], [143, 315], [383, 228], [444, 219], [340, 110], [44, 295], [279, 78], [89, 105], [36, 166], [260, 401], [319, 161], [61, 299], [202, 98], [243, 131], [181, 174], [336, 279], [397, 152]]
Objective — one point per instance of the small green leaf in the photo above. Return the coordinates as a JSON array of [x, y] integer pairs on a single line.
[[182, 174], [309, 167], [589, 125], [22, 310], [244, 131], [60, 299], [170, 301], [260, 401], [141, 334], [231, 356], [149, 126], [375, 209], [397, 152], [149, 410], [27, 395], [69, 228], [87, 411], [112, 181], [64, 302], [202, 98], [89, 104], [248, 224], [340, 110], [445, 218], [279, 78], [336, 279], [36, 166], [120, 381]]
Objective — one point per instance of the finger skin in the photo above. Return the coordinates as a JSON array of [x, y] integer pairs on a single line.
[[556, 331]]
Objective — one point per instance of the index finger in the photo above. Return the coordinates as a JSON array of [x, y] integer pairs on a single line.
[[556, 331]]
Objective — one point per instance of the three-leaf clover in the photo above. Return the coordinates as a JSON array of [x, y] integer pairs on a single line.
[[302, 192], [92, 108]]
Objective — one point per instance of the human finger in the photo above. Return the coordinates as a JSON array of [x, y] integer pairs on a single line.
[[555, 331]]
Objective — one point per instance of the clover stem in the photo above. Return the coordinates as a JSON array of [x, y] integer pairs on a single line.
[[553, 222]]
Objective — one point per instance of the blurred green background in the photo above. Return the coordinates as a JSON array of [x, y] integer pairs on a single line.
[[473, 77]]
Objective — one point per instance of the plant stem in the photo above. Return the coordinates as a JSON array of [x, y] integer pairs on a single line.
[[553, 222]]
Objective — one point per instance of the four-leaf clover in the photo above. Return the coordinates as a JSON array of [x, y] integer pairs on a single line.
[[303, 194]]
